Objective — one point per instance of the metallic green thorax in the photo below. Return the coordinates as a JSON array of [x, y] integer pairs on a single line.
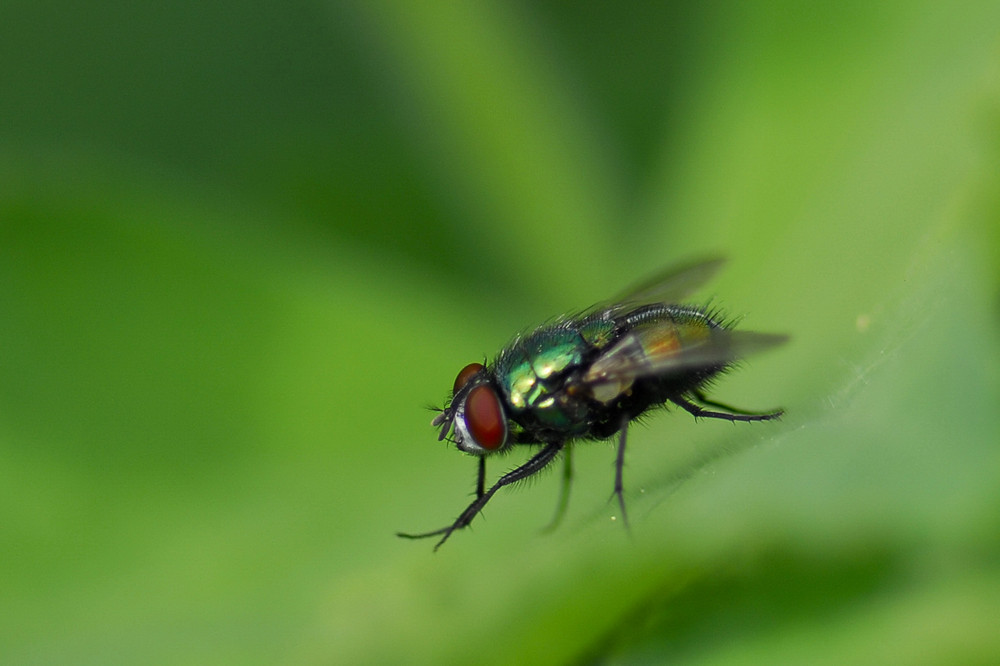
[[529, 371]]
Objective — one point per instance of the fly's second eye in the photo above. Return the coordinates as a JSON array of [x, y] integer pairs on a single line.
[[464, 375], [484, 417]]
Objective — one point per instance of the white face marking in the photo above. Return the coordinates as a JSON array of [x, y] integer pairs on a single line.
[[463, 438]]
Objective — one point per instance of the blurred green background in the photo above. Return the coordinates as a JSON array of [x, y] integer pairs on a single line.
[[243, 245]]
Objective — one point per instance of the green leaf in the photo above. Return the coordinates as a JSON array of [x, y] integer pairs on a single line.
[[242, 247]]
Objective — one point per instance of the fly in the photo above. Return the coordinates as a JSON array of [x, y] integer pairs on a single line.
[[587, 376]]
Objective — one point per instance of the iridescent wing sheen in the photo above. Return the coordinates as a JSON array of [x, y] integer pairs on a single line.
[[672, 285], [663, 350]]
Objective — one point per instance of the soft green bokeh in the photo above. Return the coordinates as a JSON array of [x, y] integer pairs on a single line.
[[243, 245]]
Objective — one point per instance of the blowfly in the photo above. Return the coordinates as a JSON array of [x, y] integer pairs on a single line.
[[587, 376]]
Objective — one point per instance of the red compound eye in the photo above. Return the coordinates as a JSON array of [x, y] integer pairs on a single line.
[[484, 417], [467, 373]]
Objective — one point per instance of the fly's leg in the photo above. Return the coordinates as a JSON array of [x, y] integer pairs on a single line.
[[480, 491], [533, 466], [730, 414], [481, 483], [567, 479], [705, 400], [619, 465]]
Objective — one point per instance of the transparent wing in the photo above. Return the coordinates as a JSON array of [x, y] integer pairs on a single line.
[[673, 284], [659, 350]]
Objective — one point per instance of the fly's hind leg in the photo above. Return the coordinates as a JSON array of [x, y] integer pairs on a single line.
[[730, 413]]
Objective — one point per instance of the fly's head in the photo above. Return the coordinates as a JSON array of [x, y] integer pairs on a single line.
[[475, 415]]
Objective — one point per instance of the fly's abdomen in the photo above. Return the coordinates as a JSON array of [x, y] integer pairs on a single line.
[[655, 355]]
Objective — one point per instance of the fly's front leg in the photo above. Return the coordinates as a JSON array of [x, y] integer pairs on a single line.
[[533, 466], [480, 491], [481, 483]]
